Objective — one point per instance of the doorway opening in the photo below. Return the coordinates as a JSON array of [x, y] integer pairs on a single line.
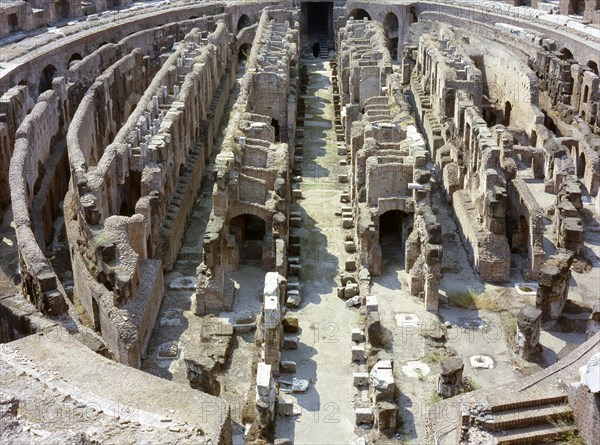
[[249, 231], [318, 20], [390, 236]]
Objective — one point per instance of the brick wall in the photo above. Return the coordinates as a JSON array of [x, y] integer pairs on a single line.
[[586, 407]]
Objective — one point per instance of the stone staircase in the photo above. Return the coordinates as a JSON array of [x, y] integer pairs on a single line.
[[323, 48], [530, 417], [216, 99]]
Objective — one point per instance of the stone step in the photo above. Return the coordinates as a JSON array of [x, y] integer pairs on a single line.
[[515, 418], [502, 402], [533, 434]]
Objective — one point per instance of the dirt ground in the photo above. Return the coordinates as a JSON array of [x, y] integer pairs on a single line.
[[324, 354]]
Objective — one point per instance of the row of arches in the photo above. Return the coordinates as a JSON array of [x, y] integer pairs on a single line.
[[391, 26], [50, 71], [390, 21]]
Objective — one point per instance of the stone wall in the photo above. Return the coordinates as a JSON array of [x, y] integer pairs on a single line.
[[526, 227], [252, 171], [33, 146], [388, 160], [464, 148], [26, 16], [132, 208], [15, 104]]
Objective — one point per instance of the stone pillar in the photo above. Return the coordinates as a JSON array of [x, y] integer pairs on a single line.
[[593, 324], [386, 416], [529, 323], [553, 284], [265, 395], [272, 326], [450, 381], [381, 382]]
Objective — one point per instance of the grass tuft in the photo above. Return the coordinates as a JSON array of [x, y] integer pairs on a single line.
[[435, 356], [434, 398], [471, 299]]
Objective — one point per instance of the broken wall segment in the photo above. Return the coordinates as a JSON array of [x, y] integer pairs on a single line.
[[529, 322], [553, 284]]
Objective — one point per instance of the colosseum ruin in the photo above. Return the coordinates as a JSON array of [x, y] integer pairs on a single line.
[[345, 222]]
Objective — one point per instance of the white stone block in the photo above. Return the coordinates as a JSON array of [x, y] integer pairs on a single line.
[[358, 334], [361, 378], [372, 304], [263, 379], [358, 353]]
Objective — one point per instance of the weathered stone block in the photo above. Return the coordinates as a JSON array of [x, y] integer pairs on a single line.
[[386, 416], [358, 353], [364, 416], [290, 343], [358, 335], [360, 379], [290, 324]]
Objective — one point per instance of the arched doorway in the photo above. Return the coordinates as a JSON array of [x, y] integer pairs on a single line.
[[507, 112], [74, 57], [565, 54], [359, 14], [249, 232], [63, 9], [390, 25], [391, 236], [275, 125], [48, 74], [243, 22], [593, 66], [581, 165], [412, 15], [244, 52], [586, 93], [316, 50]]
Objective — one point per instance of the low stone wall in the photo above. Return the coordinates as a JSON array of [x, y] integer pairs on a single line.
[[488, 251], [19, 318], [33, 145]]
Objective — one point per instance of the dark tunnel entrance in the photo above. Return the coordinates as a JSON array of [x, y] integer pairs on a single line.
[[317, 23]]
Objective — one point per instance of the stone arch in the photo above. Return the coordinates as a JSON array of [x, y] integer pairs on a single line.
[[507, 113], [586, 93], [391, 25], [243, 22], [565, 54], [45, 82], [412, 15], [244, 52], [593, 66], [250, 233], [74, 57], [391, 228], [359, 14], [275, 125], [581, 164]]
